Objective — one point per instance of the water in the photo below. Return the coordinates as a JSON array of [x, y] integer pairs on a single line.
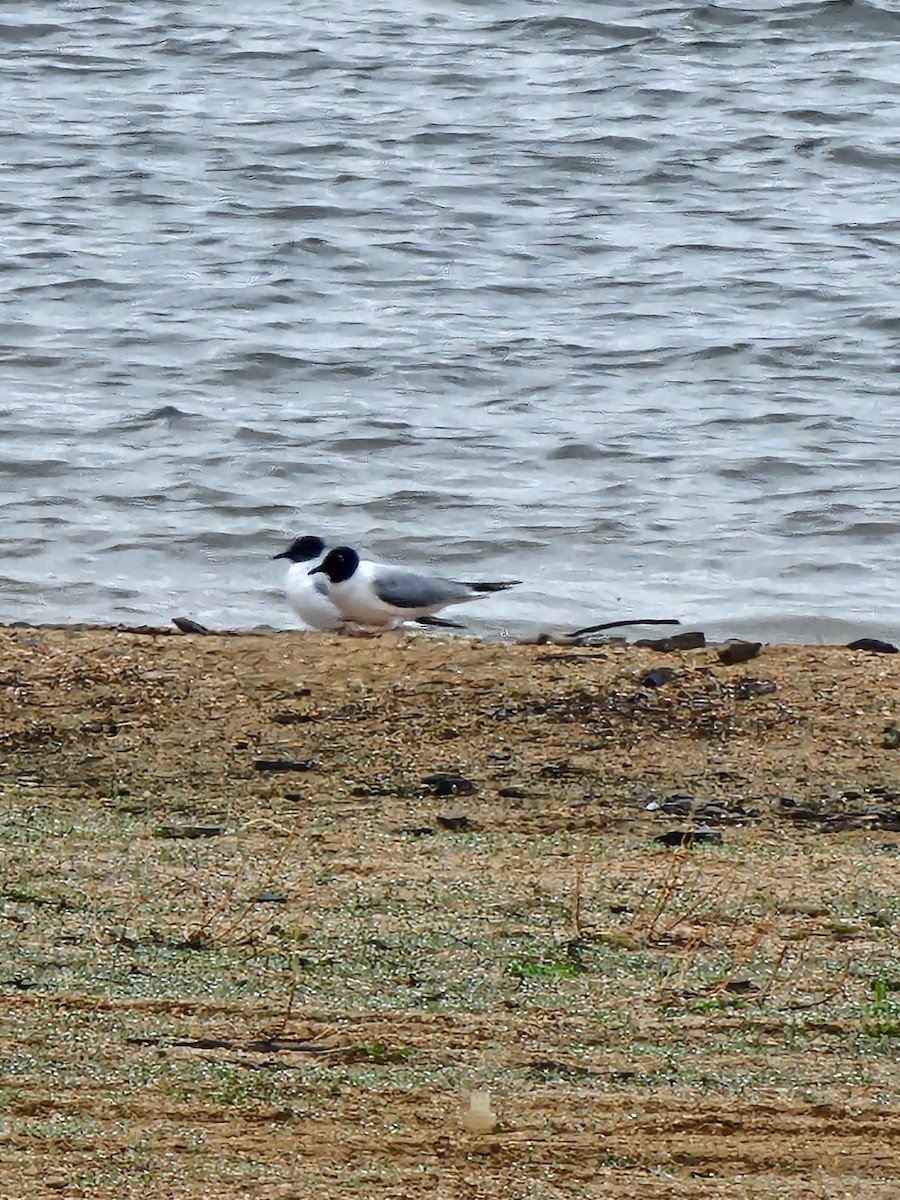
[[602, 295]]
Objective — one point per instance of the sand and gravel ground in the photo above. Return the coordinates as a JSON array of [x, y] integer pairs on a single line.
[[222, 979]]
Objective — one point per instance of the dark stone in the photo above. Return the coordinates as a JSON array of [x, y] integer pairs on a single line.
[[270, 898], [689, 837], [455, 823], [556, 770], [512, 793], [748, 687], [109, 727], [738, 652], [186, 625], [658, 677], [741, 987], [444, 783], [713, 812], [885, 793], [678, 806], [414, 831], [873, 645], [891, 737], [285, 764], [286, 718], [691, 640]]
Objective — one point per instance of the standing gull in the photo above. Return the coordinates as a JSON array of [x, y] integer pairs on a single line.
[[377, 594], [308, 594]]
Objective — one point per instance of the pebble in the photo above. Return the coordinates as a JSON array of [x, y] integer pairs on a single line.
[[285, 764], [689, 837], [455, 823], [444, 783], [658, 677], [691, 640], [738, 652]]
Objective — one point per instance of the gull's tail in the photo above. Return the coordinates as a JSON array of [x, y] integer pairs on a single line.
[[497, 585]]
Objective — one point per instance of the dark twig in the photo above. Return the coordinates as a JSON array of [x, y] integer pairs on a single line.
[[618, 625]]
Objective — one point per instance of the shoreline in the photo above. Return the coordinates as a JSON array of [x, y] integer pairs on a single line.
[[525, 633]]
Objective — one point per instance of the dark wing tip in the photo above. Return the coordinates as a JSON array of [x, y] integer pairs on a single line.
[[497, 585]]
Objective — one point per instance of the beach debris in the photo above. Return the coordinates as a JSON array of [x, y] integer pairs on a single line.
[[604, 625], [658, 677], [478, 1116], [285, 764], [738, 652], [186, 625], [689, 640], [687, 838], [189, 831], [701, 810], [455, 823], [741, 987], [748, 687], [873, 645], [448, 783]]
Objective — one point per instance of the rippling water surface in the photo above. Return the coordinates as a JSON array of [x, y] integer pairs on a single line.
[[603, 295]]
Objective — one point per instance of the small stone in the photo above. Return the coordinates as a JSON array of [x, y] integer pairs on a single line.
[[678, 806], [658, 677], [285, 764], [747, 688], [689, 837], [690, 640], [414, 831], [741, 987], [891, 737], [270, 898], [738, 652], [455, 823], [190, 831], [444, 783], [186, 625]]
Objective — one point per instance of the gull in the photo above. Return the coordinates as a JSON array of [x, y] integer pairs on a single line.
[[381, 595], [308, 594]]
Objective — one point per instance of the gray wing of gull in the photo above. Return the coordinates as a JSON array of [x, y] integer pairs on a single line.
[[406, 589], [320, 584]]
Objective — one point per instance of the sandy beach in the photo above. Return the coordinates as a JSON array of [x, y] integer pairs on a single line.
[[275, 905]]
